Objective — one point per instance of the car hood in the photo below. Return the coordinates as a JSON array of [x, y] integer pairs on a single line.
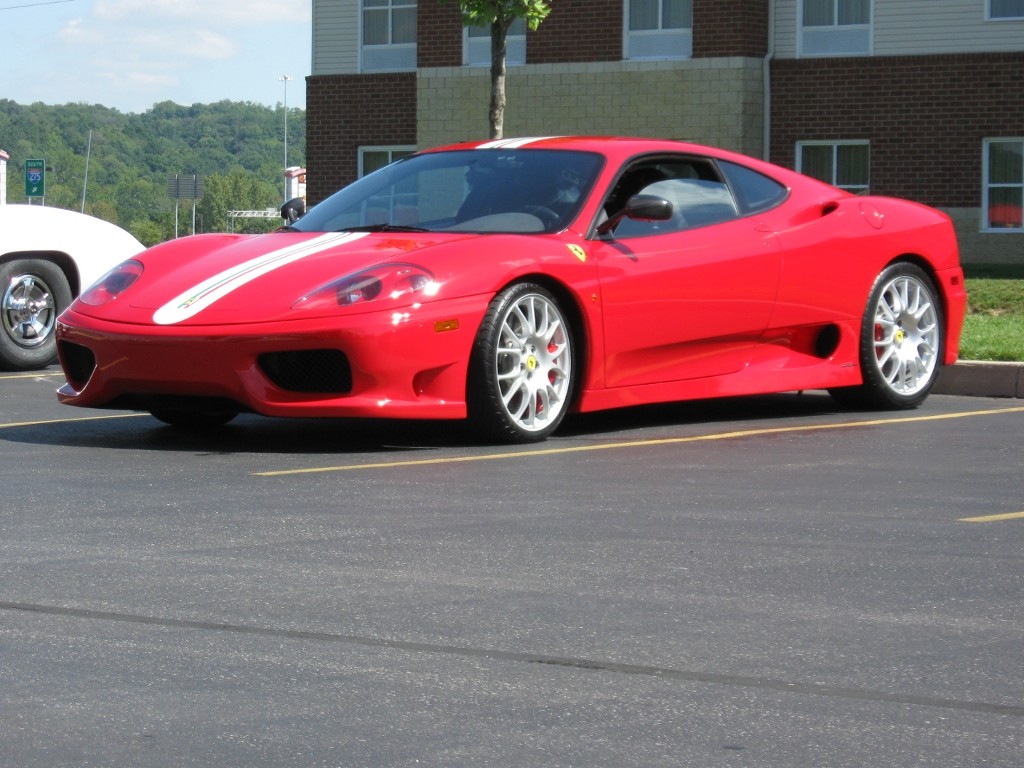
[[228, 279]]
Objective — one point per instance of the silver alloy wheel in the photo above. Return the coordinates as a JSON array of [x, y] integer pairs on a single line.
[[533, 362], [29, 311], [906, 334]]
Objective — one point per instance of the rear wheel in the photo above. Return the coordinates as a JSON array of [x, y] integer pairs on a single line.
[[34, 293], [521, 371], [900, 343]]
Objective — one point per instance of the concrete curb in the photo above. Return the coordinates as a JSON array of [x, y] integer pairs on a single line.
[[976, 378]]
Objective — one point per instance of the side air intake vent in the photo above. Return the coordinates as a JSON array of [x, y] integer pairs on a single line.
[[79, 363]]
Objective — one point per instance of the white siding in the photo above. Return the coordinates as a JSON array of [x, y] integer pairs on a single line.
[[785, 29], [335, 37], [909, 27]]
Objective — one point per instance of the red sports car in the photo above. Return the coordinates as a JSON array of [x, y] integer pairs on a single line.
[[513, 281]]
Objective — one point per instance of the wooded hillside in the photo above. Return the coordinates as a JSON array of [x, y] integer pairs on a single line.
[[237, 147]]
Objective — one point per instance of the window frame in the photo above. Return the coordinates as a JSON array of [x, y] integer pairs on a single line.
[[990, 16], [836, 144], [403, 54], [833, 30], [395, 152], [987, 186], [515, 50], [683, 35]]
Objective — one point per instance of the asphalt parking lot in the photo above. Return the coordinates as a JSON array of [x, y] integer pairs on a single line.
[[758, 582]]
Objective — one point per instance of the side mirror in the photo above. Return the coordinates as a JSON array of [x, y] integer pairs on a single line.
[[649, 208], [643, 207], [293, 210]]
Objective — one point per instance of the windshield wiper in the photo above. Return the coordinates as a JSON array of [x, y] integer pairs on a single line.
[[384, 228]]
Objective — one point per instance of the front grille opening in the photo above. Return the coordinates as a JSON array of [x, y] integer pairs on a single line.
[[78, 363], [308, 370]]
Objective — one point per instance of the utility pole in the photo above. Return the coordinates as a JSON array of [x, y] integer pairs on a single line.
[[285, 79]]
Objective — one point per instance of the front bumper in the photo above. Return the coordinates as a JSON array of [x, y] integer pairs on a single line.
[[410, 364]]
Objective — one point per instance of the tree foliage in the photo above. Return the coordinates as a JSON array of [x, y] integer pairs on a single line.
[[237, 147], [499, 16]]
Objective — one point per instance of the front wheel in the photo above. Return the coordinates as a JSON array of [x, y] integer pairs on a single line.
[[193, 421], [34, 293], [901, 341], [521, 369]]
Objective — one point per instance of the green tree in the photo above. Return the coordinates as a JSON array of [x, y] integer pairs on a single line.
[[499, 16], [131, 157], [234, 192]]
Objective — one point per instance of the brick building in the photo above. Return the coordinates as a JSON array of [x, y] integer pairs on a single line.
[[913, 98]]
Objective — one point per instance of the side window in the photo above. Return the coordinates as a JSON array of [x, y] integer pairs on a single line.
[[699, 195], [754, 191]]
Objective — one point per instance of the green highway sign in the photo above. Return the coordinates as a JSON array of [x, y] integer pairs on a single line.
[[35, 178]]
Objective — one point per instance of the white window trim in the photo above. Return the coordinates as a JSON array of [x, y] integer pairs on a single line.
[[684, 33], [800, 29], [997, 19], [393, 47], [985, 145], [389, 148], [835, 144], [515, 50]]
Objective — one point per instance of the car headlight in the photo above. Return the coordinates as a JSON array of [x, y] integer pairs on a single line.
[[112, 284], [394, 282]]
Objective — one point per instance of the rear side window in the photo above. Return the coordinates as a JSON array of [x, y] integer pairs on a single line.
[[754, 191]]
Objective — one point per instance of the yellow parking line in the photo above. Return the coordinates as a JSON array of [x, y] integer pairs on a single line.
[[637, 443], [12, 424], [993, 518], [35, 375]]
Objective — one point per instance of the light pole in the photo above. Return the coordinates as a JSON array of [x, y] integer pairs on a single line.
[[284, 79]]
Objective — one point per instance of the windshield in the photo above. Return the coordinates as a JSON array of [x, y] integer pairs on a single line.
[[475, 190]]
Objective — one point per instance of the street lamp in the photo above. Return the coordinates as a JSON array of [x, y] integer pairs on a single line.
[[284, 79]]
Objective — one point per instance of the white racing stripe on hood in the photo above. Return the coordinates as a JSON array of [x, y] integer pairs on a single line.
[[196, 299]]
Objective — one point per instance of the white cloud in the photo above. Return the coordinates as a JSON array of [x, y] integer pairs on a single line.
[[130, 54], [204, 11]]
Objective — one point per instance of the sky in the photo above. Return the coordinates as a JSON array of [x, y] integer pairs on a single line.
[[132, 54]]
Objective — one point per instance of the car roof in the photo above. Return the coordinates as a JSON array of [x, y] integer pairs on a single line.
[[619, 149]]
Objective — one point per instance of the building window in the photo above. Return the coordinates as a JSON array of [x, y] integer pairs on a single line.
[[477, 50], [843, 164], [374, 158], [1006, 9], [1003, 181], [659, 29], [389, 35], [395, 203], [835, 27]]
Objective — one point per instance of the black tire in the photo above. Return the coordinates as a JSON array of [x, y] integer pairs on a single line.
[[521, 376], [33, 292], [198, 421], [901, 342]]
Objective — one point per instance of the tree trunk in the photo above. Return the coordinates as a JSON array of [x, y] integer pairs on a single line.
[[499, 34]]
